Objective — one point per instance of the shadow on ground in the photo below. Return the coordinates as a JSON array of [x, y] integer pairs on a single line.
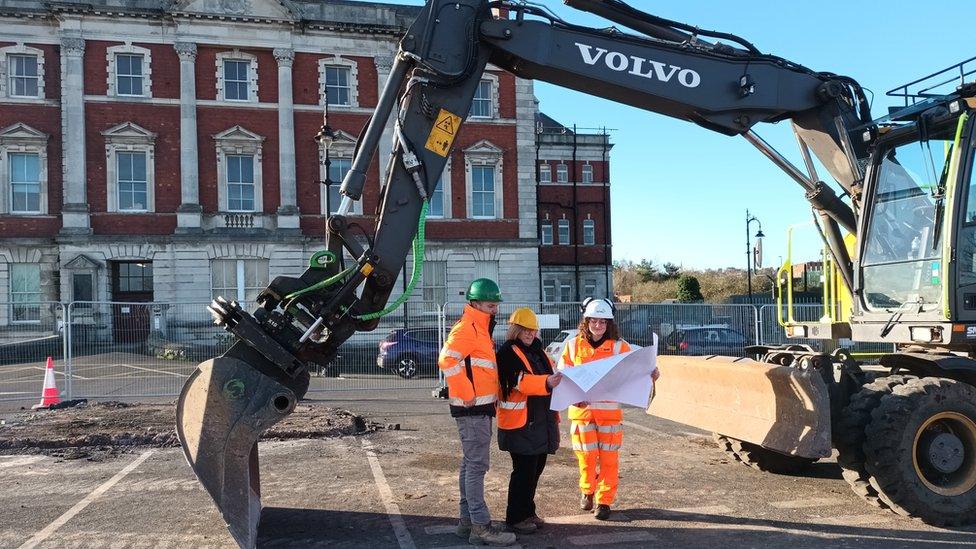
[[291, 527]]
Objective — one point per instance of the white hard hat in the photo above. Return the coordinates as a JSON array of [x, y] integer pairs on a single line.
[[597, 308]]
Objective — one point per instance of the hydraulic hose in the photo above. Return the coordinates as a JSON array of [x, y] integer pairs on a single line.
[[418, 262]]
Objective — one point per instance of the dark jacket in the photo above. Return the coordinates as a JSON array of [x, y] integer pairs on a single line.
[[540, 435]]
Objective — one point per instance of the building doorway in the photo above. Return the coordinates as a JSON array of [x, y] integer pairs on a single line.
[[132, 283]]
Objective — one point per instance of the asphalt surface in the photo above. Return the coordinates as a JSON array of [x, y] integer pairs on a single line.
[[397, 488], [127, 375]]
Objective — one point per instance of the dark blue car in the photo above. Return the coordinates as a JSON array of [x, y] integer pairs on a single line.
[[410, 352]]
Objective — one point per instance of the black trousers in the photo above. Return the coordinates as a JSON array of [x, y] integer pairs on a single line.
[[526, 471]]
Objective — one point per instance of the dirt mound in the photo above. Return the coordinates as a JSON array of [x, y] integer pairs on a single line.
[[94, 430]]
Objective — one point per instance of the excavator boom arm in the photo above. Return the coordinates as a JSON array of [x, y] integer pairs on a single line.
[[301, 321]]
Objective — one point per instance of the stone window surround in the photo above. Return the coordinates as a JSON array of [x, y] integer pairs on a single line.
[[127, 48], [21, 138], [20, 49], [343, 147], [445, 188], [562, 173], [493, 78], [339, 61], [586, 167], [545, 173], [129, 137], [542, 225], [484, 153], [563, 223], [239, 141], [589, 224], [252, 74]]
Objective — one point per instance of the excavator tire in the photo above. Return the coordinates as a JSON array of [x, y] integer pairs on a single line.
[[921, 450], [760, 458], [849, 435]]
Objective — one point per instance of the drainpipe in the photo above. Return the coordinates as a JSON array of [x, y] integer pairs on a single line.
[[574, 237], [606, 211]]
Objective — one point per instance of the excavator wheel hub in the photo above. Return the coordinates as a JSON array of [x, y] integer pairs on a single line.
[[944, 453]]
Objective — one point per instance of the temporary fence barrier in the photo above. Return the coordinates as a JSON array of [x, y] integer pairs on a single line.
[[29, 333], [107, 350]]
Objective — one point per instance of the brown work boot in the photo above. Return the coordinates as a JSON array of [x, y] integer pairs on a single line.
[[486, 534], [539, 521], [463, 528], [602, 512], [586, 502], [527, 526]]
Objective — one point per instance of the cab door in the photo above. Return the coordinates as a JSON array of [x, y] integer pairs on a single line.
[[963, 267]]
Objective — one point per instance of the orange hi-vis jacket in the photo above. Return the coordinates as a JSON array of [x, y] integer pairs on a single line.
[[579, 351], [513, 411], [468, 363]]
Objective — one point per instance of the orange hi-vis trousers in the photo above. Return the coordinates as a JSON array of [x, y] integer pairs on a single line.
[[596, 446]]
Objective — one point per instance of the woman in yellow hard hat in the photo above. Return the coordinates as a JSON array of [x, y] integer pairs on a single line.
[[527, 428]]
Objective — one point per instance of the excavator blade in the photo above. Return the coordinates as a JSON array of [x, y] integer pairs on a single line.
[[222, 410], [780, 408]]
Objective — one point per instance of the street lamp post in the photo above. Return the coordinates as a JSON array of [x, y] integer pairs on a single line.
[[326, 137], [749, 257]]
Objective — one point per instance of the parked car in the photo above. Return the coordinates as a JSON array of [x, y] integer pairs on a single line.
[[409, 352], [555, 347], [706, 341]]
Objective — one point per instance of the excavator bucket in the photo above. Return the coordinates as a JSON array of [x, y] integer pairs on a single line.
[[222, 410], [781, 408]]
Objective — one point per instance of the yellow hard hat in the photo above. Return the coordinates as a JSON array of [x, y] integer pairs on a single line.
[[524, 317]]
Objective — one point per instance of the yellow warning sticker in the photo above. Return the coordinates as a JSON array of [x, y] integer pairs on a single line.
[[443, 133]]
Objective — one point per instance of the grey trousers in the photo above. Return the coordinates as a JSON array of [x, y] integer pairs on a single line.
[[475, 433]]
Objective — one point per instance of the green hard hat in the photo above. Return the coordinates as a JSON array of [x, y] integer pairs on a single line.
[[483, 289]]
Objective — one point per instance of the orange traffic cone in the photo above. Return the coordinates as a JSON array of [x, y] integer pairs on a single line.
[[50, 394]]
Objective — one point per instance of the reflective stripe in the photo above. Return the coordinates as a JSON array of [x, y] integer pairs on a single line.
[[585, 427], [451, 372], [585, 447], [609, 428], [609, 447], [478, 401], [510, 405], [483, 363], [604, 406], [452, 354], [617, 346]]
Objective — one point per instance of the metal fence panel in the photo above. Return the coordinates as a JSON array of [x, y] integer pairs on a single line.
[[411, 339], [121, 350], [129, 350], [29, 334]]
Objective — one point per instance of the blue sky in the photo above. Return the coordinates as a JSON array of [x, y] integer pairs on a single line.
[[679, 192]]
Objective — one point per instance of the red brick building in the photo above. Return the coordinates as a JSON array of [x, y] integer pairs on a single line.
[[166, 152], [573, 170]]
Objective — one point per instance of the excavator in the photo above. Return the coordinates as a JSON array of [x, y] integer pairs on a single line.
[[901, 236]]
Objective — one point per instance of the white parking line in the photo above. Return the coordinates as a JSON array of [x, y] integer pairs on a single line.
[[57, 373], [713, 510], [153, 370], [80, 506], [386, 494], [615, 537], [855, 520]]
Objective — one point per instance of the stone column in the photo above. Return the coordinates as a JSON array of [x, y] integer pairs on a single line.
[[384, 63], [74, 211], [190, 213], [288, 210]]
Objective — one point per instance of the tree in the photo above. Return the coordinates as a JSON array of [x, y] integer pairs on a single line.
[[671, 271], [647, 271], [689, 290]]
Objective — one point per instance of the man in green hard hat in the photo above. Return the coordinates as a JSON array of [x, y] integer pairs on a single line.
[[468, 363]]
